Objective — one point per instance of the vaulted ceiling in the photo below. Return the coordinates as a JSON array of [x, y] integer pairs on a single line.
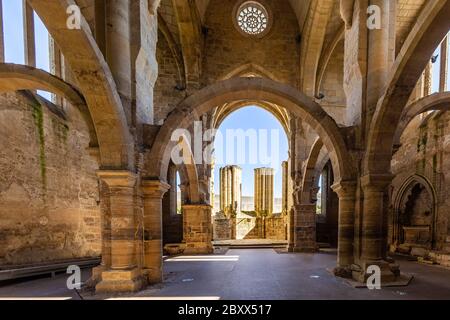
[[300, 8]]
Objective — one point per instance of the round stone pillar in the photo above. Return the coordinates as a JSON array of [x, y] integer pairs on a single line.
[[373, 250], [346, 192], [122, 274], [374, 188], [153, 192]]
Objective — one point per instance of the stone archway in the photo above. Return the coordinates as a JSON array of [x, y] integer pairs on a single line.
[[242, 89], [414, 218], [95, 81], [436, 101], [431, 27], [15, 77], [268, 91]]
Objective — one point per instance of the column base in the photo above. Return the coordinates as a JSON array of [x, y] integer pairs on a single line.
[[343, 272], [390, 272], [96, 276], [115, 281], [303, 249], [198, 248], [153, 276]]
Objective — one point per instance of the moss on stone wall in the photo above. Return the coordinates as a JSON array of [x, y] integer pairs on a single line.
[[38, 116]]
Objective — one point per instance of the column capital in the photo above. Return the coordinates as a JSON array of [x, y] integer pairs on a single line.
[[344, 188], [377, 182], [154, 188], [117, 178]]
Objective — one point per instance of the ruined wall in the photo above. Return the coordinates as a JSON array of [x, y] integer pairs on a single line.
[[425, 152], [48, 187], [227, 49], [250, 227]]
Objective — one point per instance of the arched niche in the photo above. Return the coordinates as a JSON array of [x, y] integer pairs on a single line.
[[414, 219]]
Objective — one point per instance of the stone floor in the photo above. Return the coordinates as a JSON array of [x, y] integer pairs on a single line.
[[254, 274]]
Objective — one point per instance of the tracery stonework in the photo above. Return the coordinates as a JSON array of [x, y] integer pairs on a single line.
[[252, 18]]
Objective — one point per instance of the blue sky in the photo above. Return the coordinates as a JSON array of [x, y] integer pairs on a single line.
[[14, 37], [253, 117]]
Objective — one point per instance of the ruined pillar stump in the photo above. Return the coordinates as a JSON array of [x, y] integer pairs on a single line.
[[305, 228], [153, 192], [123, 274], [197, 229]]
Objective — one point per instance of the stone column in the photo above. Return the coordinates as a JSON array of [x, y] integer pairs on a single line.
[[29, 35], [118, 51], [197, 228], [2, 39], [305, 228], [427, 80], [372, 248], [123, 273], [444, 66], [291, 230], [346, 226], [153, 192]]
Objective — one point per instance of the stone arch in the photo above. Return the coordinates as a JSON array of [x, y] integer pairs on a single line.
[[405, 195], [175, 49], [95, 81], [261, 89], [431, 27], [312, 43], [327, 55], [322, 161], [309, 182], [188, 170], [436, 101], [222, 112], [247, 70], [15, 77]]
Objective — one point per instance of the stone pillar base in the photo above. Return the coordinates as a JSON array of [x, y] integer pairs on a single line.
[[153, 276], [120, 281], [390, 272], [97, 273], [304, 250]]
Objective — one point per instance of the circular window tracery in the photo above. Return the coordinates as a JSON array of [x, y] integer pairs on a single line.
[[252, 18]]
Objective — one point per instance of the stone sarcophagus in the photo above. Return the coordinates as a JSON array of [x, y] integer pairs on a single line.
[[417, 236]]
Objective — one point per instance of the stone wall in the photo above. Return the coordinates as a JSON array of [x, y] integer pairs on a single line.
[[166, 96], [425, 153], [48, 186], [332, 87], [226, 49], [276, 227], [222, 227], [273, 228]]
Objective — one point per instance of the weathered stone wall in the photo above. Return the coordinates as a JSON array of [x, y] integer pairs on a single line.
[[274, 228], [48, 187], [332, 86], [222, 227], [226, 49], [425, 152], [166, 96]]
